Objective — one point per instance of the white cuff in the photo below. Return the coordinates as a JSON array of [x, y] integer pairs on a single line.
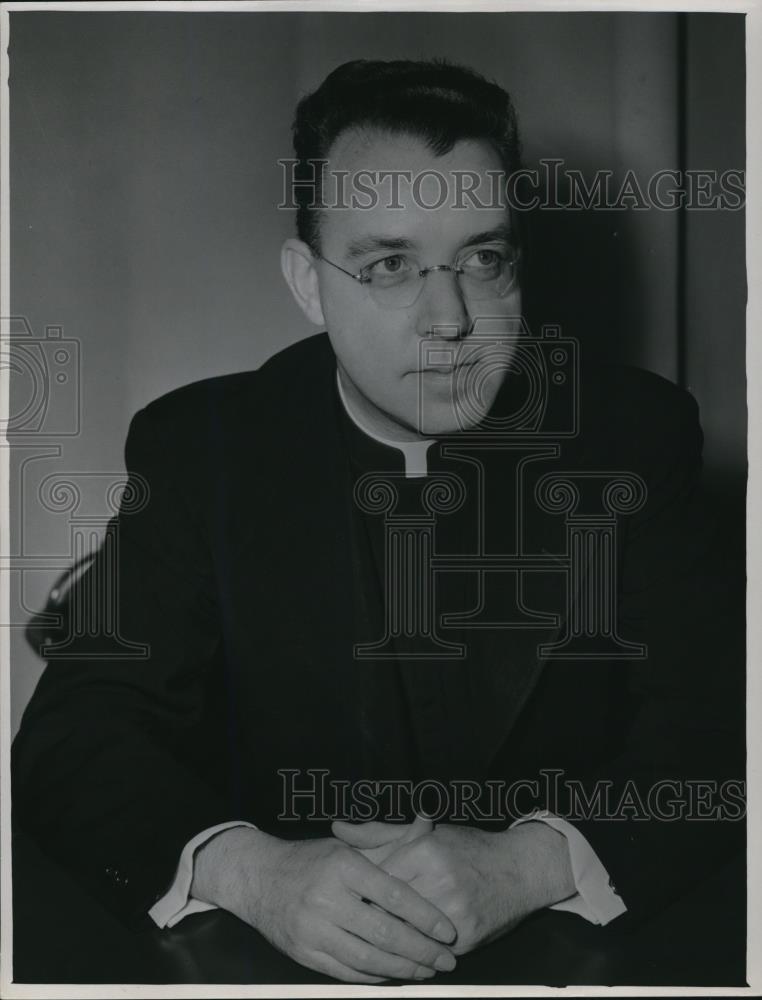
[[596, 900], [177, 902]]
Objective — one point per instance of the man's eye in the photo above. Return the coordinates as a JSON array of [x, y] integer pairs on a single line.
[[388, 265], [484, 258], [388, 271]]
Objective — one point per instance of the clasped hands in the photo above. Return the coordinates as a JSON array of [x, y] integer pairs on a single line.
[[382, 901]]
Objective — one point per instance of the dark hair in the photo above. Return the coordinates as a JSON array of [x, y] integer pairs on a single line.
[[434, 100]]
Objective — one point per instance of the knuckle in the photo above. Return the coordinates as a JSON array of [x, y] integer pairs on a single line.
[[458, 910], [434, 856], [364, 957], [300, 925], [427, 848], [380, 932], [394, 893], [317, 897], [448, 881], [345, 861]]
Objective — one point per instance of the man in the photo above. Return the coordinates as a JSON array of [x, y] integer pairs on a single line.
[[352, 566]]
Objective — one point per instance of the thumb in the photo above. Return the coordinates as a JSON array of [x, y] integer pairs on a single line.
[[412, 831], [365, 835], [420, 826], [376, 834]]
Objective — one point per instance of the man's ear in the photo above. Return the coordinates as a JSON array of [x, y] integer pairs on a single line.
[[298, 265]]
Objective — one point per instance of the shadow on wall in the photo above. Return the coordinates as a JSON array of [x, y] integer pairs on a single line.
[[583, 273], [577, 265]]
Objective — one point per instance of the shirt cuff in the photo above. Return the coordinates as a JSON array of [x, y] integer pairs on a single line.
[[596, 899], [177, 902]]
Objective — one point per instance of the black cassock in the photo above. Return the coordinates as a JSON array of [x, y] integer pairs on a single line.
[[252, 586]]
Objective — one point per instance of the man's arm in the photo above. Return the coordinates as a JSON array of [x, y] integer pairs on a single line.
[[178, 902], [107, 766], [683, 725], [596, 899], [102, 774]]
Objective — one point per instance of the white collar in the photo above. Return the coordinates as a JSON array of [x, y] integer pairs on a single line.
[[414, 452]]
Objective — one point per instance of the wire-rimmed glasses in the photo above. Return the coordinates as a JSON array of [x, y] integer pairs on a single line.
[[395, 281]]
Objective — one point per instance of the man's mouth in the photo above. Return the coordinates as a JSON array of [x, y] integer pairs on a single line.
[[447, 369], [443, 369]]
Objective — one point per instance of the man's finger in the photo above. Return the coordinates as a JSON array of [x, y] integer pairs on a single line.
[[330, 966], [368, 959], [403, 865], [369, 835], [396, 897], [387, 932], [379, 855]]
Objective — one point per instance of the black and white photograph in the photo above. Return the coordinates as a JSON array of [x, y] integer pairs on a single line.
[[374, 540]]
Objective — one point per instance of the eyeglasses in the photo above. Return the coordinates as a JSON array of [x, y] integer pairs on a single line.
[[396, 281]]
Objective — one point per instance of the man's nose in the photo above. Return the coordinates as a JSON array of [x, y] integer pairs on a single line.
[[443, 311]]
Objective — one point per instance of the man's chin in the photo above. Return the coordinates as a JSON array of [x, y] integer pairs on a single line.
[[452, 416], [437, 421], [456, 401]]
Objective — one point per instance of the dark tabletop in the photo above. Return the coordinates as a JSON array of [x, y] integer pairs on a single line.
[[62, 935]]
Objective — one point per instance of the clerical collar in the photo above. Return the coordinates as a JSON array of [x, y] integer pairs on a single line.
[[413, 452]]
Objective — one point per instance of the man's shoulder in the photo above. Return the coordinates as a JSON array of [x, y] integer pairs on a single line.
[[228, 400], [631, 396], [637, 415]]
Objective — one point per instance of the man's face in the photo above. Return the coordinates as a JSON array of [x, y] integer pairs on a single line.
[[396, 363]]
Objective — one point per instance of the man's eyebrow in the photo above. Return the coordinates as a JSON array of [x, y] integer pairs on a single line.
[[368, 244], [489, 236]]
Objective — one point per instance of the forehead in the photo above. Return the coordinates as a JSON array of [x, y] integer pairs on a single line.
[[393, 185]]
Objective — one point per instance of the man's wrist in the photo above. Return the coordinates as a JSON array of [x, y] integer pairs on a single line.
[[541, 864], [230, 869]]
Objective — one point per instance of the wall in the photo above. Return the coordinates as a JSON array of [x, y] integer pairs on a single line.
[[144, 220]]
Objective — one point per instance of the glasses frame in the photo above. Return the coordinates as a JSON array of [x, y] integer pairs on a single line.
[[365, 282]]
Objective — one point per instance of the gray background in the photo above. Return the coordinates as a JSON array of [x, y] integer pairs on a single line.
[[144, 219]]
